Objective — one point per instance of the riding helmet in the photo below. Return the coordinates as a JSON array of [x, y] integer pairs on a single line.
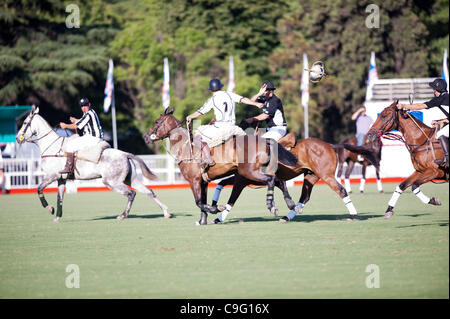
[[439, 85], [84, 101], [215, 85], [269, 85]]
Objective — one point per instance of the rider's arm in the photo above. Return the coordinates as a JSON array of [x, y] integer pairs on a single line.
[[193, 116], [246, 100], [417, 106], [260, 117], [355, 115], [262, 90], [71, 126]]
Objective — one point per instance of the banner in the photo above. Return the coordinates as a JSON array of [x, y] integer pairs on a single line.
[[109, 87], [373, 76], [231, 84], [166, 85], [445, 68], [304, 85]]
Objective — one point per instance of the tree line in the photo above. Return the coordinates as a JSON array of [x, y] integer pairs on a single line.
[[44, 62]]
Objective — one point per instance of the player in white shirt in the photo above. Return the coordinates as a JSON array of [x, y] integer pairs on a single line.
[[223, 104]]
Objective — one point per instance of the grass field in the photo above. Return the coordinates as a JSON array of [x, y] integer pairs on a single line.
[[318, 255]]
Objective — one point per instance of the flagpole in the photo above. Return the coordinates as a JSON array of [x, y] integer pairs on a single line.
[[304, 87], [113, 114]]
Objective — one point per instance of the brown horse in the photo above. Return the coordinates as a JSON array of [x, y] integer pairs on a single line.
[[252, 157], [316, 160], [424, 148], [345, 155]]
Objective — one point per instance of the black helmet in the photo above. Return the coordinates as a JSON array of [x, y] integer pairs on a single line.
[[215, 85], [84, 101], [269, 85], [439, 85]]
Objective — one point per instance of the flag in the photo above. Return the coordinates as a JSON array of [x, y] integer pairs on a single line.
[[109, 87], [373, 76], [166, 85], [231, 84], [304, 86], [444, 68]]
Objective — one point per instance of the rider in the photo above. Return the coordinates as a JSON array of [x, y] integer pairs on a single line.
[[272, 112], [91, 132], [440, 100], [224, 126]]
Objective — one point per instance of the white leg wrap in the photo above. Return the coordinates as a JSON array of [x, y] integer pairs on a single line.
[[395, 196], [348, 203], [379, 185], [347, 185], [361, 184], [225, 213], [425, 199]]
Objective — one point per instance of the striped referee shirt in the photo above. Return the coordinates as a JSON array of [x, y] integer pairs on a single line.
[[90, 124]]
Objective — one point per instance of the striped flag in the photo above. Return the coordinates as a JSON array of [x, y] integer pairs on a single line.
[[304, 85], [445, 68], [373, 76], [231, 84], [166, 85], [109, 88]]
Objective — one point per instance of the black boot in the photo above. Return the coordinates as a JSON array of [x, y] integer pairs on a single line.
[[69, 164], [444, 143]]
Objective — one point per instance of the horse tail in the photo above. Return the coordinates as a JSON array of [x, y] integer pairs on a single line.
[[368, 153], [145, 170]]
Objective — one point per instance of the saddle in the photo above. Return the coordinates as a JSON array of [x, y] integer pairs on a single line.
[[93, 153], [288, 141]]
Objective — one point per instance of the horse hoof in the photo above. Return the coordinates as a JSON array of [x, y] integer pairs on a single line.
[[351, 218], [381, 192], [221, 208], [214, 222], [435, 201], [283, 219], [298, 209], [167, 215], [57, 219], [388, 214], [51, 210], [274, 211], [120, 217]]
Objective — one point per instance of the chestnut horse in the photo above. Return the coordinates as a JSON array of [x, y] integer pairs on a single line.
[[351, 158], [424, 148], [252, 157], [316, 160]]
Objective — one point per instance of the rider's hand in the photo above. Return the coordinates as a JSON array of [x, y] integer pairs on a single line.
[[401, 106], [62, 125], [73, 120], [262, 90], [260, 105]]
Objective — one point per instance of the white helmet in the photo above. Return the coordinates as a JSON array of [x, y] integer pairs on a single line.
[[317, 71]]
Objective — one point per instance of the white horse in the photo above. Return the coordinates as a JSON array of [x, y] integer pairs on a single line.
[[115, 167]]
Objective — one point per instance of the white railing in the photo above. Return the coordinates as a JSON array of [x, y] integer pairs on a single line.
[[390, 89]]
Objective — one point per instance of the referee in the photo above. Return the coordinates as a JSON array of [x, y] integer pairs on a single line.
[[91, 133]]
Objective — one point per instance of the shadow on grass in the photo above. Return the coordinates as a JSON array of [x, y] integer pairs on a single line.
[[439, 223], [131, 216], [307, 218]]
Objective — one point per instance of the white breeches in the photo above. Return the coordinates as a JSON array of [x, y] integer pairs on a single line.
[[215, 135], [442, 132], [81, 142], [275, 132]]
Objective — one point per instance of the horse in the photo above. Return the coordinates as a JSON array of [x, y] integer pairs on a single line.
[[345, 155], [115, 167], [424, 148], [251, 157], [316, 160]]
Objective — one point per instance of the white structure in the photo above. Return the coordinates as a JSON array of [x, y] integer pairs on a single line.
[[395, 158]]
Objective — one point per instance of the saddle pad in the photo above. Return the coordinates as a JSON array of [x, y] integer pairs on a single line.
[[93, 153]]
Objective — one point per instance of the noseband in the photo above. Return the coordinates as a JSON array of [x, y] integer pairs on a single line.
[[393, 119]]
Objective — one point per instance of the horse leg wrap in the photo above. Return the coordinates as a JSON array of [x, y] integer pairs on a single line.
[[225, 213], [348, 203], [425, 199], [217, 193], [395, 196], [292, 213], [361, 185], [379, 185], [43, 200], [59, 209], [348, 188]]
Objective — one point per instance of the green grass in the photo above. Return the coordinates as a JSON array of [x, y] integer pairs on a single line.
[[318, 255]]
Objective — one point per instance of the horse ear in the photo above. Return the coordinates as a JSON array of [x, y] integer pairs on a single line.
[[36, 111], [169, 110]]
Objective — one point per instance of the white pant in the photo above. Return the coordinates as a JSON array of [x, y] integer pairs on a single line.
[[81, 142], [215, 135], [442, 132], [275, 132]]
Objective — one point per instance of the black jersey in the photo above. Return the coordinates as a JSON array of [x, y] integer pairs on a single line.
[[440, 101], [274, 109]]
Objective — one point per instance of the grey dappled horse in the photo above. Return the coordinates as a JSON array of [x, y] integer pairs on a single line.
[[116, 168]]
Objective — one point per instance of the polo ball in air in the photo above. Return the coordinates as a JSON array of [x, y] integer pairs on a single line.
[[316, 72]]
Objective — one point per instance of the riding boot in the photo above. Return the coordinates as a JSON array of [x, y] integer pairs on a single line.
[[207, 159], [69, 164], [444, 143]]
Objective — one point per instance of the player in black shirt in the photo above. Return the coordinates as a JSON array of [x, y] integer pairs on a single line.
[[272, 112], [440, 101]]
